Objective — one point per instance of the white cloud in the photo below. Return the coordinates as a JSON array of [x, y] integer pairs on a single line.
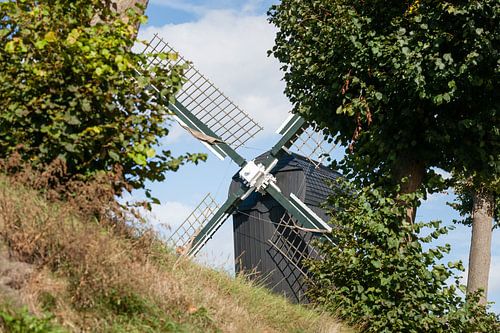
[[438, 197], [444, 174], [248, 7], [252, 6], [168, 216], [175, 134], [231, 49]]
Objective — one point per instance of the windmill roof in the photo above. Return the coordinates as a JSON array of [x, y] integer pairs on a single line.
[[314, 188]]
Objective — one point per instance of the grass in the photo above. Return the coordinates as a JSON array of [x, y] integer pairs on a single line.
[[98, 276]]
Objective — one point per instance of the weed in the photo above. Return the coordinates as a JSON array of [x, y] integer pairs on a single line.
[[21, 321], [47, 301]]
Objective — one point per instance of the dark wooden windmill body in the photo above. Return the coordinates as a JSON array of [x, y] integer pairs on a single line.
[[268, 245]]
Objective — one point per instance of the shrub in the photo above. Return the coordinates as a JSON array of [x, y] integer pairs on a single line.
[[379, 273], [72, 90]]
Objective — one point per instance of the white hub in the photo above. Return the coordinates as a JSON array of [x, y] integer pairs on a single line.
[[256, 176]]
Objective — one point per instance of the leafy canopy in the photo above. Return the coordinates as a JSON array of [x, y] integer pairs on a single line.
[[70, 89], [415, 80]]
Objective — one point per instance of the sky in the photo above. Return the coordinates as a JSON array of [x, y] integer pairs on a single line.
[[228, 40]]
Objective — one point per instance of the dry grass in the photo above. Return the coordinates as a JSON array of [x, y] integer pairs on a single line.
[[95, 277]]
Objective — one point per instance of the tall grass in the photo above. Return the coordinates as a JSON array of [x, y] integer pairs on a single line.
[[103, 276]]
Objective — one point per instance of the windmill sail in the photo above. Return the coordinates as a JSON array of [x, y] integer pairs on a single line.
[[292, 243], [314, 144], [199, 98], [182, 238], [306, 139], [293, 247]]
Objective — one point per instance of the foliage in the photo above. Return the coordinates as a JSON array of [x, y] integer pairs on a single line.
[[464, 201], [70, 89], [406, 86], [21, 321], [396, 80], [380, 273]]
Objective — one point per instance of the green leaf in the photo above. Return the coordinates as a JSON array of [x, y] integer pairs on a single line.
[[73, 37], [139, 159], [150, 152], [40, 44], [114, 156], [10, 46], [50, 37]]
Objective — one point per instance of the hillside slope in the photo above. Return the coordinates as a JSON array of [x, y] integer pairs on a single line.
[[93, 276]]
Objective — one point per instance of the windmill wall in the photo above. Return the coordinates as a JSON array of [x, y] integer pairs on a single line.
[[257, 219]]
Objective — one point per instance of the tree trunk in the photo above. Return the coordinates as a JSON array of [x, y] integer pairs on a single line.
[[409, 175], [480, 248], [122, 6]]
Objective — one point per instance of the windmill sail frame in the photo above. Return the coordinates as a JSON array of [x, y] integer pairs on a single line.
[[209, 108], [222, 126]]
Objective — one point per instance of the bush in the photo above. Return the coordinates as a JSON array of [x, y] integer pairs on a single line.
[[70, 91], [378, 272]]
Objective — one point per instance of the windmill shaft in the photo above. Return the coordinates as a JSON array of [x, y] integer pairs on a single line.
[[288, 131], [299, 211]]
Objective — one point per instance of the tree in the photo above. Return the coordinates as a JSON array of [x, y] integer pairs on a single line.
[[401, 83], [480, 206], [71, 89], [407, 85], [480, 248], [122, 7], [379, 275]]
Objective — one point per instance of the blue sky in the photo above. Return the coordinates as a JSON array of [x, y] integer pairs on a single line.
[[181, 11], [227, 40]]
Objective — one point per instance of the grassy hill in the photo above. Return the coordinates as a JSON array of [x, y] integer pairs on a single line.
[[61, 271]]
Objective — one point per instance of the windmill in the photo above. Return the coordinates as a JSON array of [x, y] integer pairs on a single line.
[[206, 113]]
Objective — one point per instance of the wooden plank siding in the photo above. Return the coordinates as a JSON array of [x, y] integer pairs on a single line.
[[255, 223]]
